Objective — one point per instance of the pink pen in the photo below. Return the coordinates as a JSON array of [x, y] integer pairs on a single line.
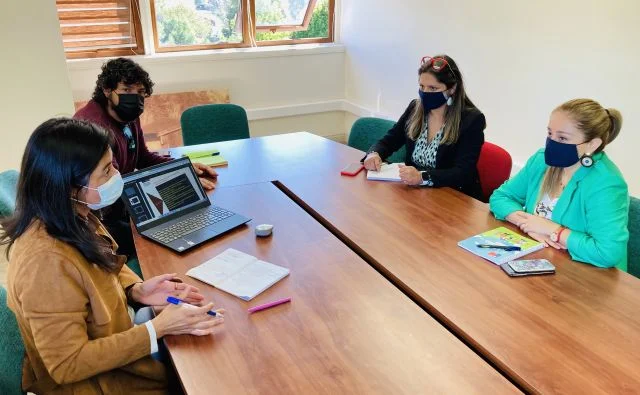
[[268, 305]]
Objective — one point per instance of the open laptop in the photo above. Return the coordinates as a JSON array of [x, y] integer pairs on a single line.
[[168, 205]]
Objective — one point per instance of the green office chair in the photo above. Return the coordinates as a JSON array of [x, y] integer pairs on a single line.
[[211, 123], [633, 254], [366, 131], [8, 190], [134, 265], [11, 350]]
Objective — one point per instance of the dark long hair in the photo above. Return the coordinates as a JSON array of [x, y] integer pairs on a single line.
[[60, 156], [450, 76]]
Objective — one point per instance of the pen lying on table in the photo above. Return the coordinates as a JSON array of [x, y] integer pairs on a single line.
[[499, 247]]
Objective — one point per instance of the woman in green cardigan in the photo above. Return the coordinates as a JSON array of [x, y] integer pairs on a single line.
[[570, 195]]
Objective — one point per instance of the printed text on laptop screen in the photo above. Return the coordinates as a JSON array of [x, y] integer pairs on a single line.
[[155, 197]]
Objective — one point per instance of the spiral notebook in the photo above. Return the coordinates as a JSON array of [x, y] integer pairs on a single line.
[[239, 274], [504, 237]]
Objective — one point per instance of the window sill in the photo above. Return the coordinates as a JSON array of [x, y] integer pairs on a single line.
[[216, 54]]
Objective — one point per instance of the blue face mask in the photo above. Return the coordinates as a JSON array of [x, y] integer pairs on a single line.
[[432, 100], [560, 155]]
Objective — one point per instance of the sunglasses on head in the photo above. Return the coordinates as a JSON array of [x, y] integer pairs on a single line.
[[437, 64]]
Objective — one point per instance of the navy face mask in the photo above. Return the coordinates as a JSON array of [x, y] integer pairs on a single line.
[[431, 100], [560, 155]]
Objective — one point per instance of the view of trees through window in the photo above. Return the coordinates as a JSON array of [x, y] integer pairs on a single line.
[[291, 12], [198, 22]]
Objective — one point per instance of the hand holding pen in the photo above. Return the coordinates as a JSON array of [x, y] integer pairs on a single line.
[[184, 318]]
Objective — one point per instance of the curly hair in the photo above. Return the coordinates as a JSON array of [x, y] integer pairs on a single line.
[[120, 70]]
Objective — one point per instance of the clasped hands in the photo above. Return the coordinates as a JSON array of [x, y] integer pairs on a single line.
[[539, 228]]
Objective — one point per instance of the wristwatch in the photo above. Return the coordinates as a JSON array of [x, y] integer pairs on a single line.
[[426, 177], [555, 236]]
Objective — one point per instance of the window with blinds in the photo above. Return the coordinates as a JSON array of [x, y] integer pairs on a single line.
[[97, 28]]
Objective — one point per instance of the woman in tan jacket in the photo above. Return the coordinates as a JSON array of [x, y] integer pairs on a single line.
[[69, 290]]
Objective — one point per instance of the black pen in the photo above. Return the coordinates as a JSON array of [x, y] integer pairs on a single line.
[[499, 247]]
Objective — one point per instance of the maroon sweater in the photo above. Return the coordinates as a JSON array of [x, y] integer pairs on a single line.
[[124, 160]]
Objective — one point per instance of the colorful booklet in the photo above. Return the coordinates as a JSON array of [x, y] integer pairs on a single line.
[[503, 237], [209, 157], [239, 274]]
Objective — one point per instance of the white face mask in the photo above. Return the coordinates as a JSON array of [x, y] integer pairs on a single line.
[[109, 192]]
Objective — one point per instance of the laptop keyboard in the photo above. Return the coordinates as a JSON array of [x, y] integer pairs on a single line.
[[192, 224]]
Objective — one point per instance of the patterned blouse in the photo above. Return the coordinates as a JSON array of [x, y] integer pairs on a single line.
[[545, 206], [424, 154]]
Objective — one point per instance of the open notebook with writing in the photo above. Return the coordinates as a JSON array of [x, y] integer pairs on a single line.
[[239, 274], [503, 237]]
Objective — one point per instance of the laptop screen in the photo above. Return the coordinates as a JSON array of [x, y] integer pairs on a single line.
[[161, 191]]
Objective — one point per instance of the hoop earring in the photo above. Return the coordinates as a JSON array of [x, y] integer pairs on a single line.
[[586, 160], [450, 101]]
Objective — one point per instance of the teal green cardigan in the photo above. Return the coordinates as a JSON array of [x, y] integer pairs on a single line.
[[594, 206]]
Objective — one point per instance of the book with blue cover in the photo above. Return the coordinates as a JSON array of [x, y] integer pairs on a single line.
[[502, 237]]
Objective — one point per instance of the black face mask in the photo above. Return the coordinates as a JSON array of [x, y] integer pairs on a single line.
[[130, 106]]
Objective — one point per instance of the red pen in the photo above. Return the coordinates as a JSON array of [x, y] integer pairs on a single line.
[[269, 305]]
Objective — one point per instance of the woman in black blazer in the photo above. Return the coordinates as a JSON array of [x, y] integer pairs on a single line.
[[442, 130]]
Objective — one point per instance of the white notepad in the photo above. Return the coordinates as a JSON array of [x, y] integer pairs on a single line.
[[239, 274], [388, 172]]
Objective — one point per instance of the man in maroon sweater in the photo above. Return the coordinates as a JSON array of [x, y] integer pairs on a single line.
[[116, 105]]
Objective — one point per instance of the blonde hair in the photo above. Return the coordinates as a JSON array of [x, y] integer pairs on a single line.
[[594, 121], [450, 76]]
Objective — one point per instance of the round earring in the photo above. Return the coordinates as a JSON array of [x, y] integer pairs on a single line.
[[450, 101], [586, 160]]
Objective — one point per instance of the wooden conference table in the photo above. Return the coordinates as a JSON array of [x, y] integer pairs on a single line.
[[575, 332]]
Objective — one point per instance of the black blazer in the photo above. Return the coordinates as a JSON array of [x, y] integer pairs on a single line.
[[455, 163]]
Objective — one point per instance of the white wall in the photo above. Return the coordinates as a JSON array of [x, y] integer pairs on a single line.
[[35, 85], [328, 124], [520, 60]]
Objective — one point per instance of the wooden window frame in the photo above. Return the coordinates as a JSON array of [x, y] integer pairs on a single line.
[[289, 28], [99, 53], [249, 30], [179, 48]]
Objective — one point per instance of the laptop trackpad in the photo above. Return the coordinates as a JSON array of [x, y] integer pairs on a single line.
[[209, 232]]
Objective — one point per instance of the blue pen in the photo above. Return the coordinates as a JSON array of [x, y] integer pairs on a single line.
[[173, 300], [499, 247]]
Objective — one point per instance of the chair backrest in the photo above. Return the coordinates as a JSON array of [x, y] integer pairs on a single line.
[[633, 253], [366, 131], [8, 190], [494, 168], [211, 123], [134, 265], [11, 350]]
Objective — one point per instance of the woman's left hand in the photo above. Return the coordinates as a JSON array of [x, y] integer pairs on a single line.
[[546, 241], [154, 291], [536, 224], [410, 175]]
